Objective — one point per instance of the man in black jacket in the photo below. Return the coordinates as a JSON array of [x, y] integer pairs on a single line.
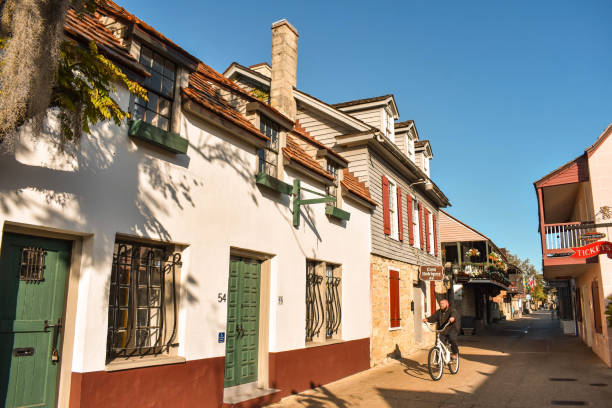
[[441, 317]]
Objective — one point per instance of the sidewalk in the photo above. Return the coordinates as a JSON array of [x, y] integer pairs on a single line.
[[523, 363]]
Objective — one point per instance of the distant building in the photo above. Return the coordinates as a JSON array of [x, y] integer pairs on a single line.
[[574, 203]]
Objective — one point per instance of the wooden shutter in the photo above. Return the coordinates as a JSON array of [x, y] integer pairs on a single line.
[[427, 243], [596, 306], [432, 295], [394, 308], [385, 198], [410, 222], [400, 217], [435, 234]]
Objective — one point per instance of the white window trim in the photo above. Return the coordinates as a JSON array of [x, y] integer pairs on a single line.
[[415, 223], [393, 215], [389, 269], [410, 148], [426, 167], [430, 236]]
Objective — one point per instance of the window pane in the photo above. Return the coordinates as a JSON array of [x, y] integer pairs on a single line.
[[155, 83], [146, 57], [167, 87], [162, 123], [152, 104], [158, 63], [169, 69], [164, 107], [151, 117]]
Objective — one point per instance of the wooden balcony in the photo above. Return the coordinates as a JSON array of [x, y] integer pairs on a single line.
[[559, 239]]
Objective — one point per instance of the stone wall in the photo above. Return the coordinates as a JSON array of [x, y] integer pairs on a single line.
[[389, 343]]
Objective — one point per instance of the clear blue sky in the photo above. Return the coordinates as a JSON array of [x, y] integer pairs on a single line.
[[506, 91]]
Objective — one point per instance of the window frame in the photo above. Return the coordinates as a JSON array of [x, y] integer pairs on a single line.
[[168, 262], [139, 105], [410, 149], [426, 165], [416, 222], [393, 210], [320, 333], [271, 130], [333, 169]]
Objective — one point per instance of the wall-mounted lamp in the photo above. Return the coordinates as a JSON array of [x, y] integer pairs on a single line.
[[428, 184]]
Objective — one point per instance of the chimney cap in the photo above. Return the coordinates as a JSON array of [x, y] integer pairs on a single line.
[[285, 22]]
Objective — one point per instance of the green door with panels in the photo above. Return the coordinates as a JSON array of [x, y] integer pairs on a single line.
[[32, 284], [241, 345]]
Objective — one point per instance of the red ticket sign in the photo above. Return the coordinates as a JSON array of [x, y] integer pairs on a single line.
[[593, 249]]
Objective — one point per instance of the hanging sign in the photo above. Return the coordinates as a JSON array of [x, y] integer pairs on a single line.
[[431, 273], [593, 249], [592, 236]]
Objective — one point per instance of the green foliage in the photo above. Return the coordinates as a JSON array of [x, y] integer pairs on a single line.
[[83, 91], [261, 95]]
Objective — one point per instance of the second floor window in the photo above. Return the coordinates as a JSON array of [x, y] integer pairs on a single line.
[[332, 169], [415, 222], [393, 210], [160, 90], [268, 156]]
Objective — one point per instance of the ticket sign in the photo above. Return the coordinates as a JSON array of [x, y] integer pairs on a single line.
[[593, 249], [431, 273]]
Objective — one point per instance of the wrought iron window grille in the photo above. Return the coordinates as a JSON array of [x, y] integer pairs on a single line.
[[32, 264], [333, 307], [323, 302], [314, 302], [142, 301]]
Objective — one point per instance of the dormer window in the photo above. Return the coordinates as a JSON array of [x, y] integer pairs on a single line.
[[268, 157], [410, 148], [389, 125], [426, 165], [160, 90]]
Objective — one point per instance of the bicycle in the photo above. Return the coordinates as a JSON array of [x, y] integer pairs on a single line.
[[439, 356]]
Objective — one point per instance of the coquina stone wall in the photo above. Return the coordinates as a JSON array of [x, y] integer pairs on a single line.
[[389, 343]]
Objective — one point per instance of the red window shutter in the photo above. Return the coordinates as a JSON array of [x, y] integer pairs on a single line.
[[432, 295], [385, 198], [410, 226], [394, 308], [421, 240], [427, 244], [400, 216], [435, 234]]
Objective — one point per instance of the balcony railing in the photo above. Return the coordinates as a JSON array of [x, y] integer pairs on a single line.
[[562, 237]]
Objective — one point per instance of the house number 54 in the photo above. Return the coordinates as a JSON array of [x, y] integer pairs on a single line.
[[221, 297]]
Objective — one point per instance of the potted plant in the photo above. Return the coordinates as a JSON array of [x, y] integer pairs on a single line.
[[472, 253]]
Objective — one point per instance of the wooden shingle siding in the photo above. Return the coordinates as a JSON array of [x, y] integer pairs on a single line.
[[322, 129], [386, 246], [371, 117], [358, 158]]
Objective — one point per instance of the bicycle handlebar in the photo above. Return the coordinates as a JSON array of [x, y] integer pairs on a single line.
[[448, 323]]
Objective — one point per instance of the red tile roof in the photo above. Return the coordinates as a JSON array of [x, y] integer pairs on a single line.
[[202, 91], [87, 27], [293, 151], [110, 8], [355, 186]]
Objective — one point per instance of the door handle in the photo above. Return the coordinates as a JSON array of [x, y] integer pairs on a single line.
[[55, 357]]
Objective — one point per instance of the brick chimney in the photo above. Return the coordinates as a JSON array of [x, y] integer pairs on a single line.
[[284, 67]]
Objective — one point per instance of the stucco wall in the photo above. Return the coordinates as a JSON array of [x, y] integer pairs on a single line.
[[206, 199]]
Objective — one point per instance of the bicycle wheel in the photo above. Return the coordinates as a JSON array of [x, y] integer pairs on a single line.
[[434, 364], [453, 365]]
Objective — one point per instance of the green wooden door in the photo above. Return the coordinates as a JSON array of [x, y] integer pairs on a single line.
[[242, 341], [29, 296]]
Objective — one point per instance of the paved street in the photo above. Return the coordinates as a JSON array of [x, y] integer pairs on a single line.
[[527, 363]]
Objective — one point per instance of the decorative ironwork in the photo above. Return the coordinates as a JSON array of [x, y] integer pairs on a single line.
[[32, 266], [142, 301], [314, 302], [333, 308]]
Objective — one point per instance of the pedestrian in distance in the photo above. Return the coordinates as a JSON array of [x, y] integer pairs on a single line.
[[446, 314]]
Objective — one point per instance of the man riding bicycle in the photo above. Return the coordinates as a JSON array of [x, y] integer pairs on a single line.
[[441, 317]]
